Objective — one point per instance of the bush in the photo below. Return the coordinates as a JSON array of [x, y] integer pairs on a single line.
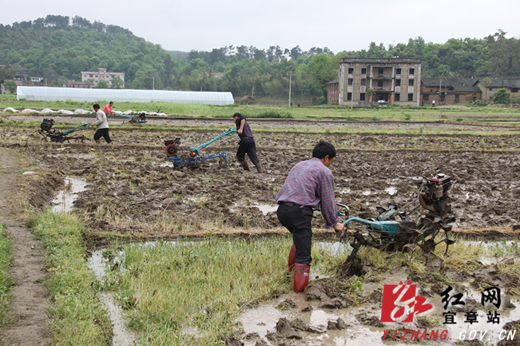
[[270, 114], [502, 96]]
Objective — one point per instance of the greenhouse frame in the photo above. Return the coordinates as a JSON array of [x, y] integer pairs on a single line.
[[123, 95]]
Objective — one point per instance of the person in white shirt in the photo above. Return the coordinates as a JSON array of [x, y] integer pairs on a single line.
[[102, 126]]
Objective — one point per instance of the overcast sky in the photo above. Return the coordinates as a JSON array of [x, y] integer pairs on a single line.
[[336, 24]]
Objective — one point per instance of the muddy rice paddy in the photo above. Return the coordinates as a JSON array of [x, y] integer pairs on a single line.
[[132, 192]]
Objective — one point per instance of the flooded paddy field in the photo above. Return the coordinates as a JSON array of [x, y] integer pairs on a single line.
[[133, 191], [232, 290]]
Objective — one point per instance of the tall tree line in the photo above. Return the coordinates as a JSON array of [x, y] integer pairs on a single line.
[[61, 47]]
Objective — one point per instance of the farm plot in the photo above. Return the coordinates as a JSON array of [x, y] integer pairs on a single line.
[[132, 194]]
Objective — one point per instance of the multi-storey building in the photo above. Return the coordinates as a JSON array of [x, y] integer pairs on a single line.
[[393, 80], [102, 75]]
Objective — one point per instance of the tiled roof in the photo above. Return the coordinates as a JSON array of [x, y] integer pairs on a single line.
[[458, 84]]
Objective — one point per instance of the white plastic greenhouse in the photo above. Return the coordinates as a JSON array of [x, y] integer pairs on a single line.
[[123, 95]]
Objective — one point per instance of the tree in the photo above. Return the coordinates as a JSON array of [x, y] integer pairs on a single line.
[[502, 96], [7, 73], [11, 86], [102, 85], [117, 83], [370, 93]]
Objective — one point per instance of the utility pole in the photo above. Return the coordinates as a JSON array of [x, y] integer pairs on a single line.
[[440, 90], [290, 82], [153, 83]]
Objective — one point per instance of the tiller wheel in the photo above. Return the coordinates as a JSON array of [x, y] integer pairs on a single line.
[[392, 229]]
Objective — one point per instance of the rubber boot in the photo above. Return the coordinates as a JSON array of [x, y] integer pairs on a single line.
[[292, 259], [259, 167], [301, 277], [244, 165]]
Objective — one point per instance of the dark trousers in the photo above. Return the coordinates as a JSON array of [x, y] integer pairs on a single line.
[[102, 133], [247, 146], [298, 221]]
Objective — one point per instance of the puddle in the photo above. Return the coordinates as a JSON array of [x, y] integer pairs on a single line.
[[63, 203], [391, 190], [335, 248], [266, 208], [122, 336], [263, 319]]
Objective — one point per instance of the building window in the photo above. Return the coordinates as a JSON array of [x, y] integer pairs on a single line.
[[410, 97], [426, 98], [362, 97], [398, 71], [514, 90], [431, 90], [363, 82], [381, 71], [410, 82], [91, 75], [350, 70], [349, 96], [349, 82], [379, 83], [412, 71], [490, 89], [363, 71], [397, 97], [397, 82]]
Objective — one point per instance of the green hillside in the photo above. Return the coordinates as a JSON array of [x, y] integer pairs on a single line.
[[61, 47]]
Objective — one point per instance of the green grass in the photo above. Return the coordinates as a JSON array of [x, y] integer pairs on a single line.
[[77, 317], [423, 114], [190, 293], [387, 129], [6, 282]]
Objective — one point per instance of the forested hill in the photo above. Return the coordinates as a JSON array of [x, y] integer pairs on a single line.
[[56, 46], [61, 47]]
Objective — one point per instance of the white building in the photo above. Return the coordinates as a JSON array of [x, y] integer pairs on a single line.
[[102, 75]]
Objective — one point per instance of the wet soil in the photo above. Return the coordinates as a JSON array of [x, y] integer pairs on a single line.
[[332, 312], [29, 324], [130, 185], [430, 120]]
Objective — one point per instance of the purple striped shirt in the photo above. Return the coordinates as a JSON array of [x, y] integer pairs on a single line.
[[311, 183]]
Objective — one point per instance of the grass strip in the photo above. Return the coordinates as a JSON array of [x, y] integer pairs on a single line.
[[385, 129], [6, 282], [77, 317], [191, 292]]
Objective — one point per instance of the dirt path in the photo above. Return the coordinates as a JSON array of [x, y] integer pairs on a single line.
[[30, 326]]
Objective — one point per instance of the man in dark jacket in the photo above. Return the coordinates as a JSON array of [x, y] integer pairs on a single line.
[[247, 143]]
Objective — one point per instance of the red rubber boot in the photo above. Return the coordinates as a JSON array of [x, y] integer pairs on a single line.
[[301, 277], [292, 259]]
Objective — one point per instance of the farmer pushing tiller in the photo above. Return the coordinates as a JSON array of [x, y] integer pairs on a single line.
[[310, 186], [194, 158]]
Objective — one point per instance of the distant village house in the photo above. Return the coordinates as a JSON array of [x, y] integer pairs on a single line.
[[101, 75]]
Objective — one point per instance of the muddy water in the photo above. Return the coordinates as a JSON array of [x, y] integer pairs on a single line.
[[63, 203], [263, 319], [122, 337]]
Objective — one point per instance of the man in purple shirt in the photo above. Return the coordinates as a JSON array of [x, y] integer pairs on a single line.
[[309, 185], [247, 143]]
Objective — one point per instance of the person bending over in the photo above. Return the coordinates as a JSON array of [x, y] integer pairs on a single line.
[[309, 185], [102, 125], [247, 143]]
